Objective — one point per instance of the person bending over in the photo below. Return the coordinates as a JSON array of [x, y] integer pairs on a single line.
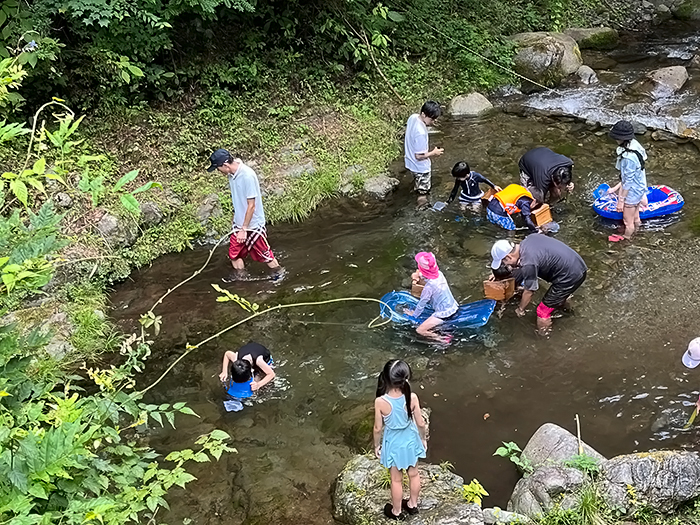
[[247, 362], [547, 171], [510, 200]]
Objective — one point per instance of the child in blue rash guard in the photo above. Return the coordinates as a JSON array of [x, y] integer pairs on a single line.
[[468, 181]]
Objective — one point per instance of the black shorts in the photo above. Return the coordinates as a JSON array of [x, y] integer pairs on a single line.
[[558, 294]]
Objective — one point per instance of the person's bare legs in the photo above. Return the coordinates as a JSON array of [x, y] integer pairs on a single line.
[[414, 485], [396, 489], [544, 325], [426, 329], [238, 264], [629, 217], [274, 264]]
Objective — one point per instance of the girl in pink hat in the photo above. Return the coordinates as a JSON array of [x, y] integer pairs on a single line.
[[437, 294]]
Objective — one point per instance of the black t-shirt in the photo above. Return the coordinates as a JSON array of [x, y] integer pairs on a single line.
[[470, 186], [254, 350], [549, 259], [540, 164]]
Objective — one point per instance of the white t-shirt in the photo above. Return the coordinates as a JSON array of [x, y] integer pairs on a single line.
[[416, 141], [244, 185]]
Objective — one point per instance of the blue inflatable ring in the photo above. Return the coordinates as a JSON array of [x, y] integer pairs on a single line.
[[471, 315], [662, 201]]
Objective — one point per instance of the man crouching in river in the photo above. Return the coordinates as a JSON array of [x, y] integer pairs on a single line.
[[542, 257]]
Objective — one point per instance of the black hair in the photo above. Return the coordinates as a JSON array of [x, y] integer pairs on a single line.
[[461, 170], [537, 195], [503, 272], [562, 175], [241, 371], [396, 374], [431, 109]]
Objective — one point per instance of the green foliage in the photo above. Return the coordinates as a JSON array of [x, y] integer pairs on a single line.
[[512, 451], [31, 244], [474, 492], [73, 458], [586, 464]]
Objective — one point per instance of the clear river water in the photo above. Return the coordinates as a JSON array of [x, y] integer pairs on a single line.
[[615, 360]]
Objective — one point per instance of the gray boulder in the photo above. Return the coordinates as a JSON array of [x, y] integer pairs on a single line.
[[553, 445], [471, 105], [496, 516], [297, 170], [586, 75], [150, 214], [62, 200], [209, 209], [546, 58], [117, 232], [594, 37], [545, 487], [687, 10], [380, 186], [359, 496], [663, 480], [661, 83]]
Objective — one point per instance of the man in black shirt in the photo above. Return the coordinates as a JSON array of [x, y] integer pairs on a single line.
[[547, 171], [542, 257]]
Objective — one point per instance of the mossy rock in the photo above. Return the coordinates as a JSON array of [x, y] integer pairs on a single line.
[[688, 10], [594, 37]]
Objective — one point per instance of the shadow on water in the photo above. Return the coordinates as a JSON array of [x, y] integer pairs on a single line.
[[615, 360]]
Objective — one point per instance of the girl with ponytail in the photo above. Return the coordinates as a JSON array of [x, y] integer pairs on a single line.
[[397, 413]]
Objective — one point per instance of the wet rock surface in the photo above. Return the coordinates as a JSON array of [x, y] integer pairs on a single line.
[[359, 495], [381, 186], [662, 82], [663, 480]]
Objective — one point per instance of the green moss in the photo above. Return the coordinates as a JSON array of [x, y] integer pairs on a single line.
[[601, 40], [87, 309], [688, 10]]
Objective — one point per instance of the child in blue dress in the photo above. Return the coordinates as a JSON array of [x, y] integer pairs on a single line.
[[397, 412]]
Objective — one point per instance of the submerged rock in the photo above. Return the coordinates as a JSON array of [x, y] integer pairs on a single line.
[[594, 37], [546, 58], [537, 493], [662, 480], [361, 492], [551, 444], [380, 186], [471, 105]]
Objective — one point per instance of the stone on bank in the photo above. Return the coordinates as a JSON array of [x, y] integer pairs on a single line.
[[546, 58], [471, 105]]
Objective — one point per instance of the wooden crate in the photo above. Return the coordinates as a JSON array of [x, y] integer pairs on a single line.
[[489, 193], [499, 290], [417, 289], [542, 215]]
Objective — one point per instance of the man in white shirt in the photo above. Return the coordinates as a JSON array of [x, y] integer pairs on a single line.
[[416, 150], [249, 234]]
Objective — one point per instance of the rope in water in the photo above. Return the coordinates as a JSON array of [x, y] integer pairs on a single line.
[[192, 348]]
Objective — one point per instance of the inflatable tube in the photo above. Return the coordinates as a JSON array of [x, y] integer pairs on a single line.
[[471, 315], [662, 201]]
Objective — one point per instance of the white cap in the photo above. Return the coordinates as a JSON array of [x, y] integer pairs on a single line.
[[499, 251], [691, 358]]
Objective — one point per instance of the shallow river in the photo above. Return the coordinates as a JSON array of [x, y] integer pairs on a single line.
[[615, 360]]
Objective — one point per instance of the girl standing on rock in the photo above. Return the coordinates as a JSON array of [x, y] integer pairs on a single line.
[[397, 412]]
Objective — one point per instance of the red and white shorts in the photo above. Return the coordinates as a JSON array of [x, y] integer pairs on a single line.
[[255, 245]]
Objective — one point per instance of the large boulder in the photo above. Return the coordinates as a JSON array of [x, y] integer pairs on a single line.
[[380, 186], [661, 83], [662, 480], [117, 232], [361, 492], [471, 105], [546, 58], [594, 37], [554, 445], [544, 488], [687, 10]]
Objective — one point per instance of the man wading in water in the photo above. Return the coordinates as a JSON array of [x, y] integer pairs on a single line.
[[249, 234], [541, 257]]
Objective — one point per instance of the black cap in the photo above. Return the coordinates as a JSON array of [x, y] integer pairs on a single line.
[[218, 159], [622, 130]]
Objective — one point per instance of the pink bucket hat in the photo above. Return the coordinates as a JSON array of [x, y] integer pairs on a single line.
[[427, 265]]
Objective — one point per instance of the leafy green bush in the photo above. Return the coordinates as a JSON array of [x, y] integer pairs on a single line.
[[513, 452]]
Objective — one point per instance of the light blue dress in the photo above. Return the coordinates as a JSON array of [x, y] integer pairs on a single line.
[[401, 443]]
